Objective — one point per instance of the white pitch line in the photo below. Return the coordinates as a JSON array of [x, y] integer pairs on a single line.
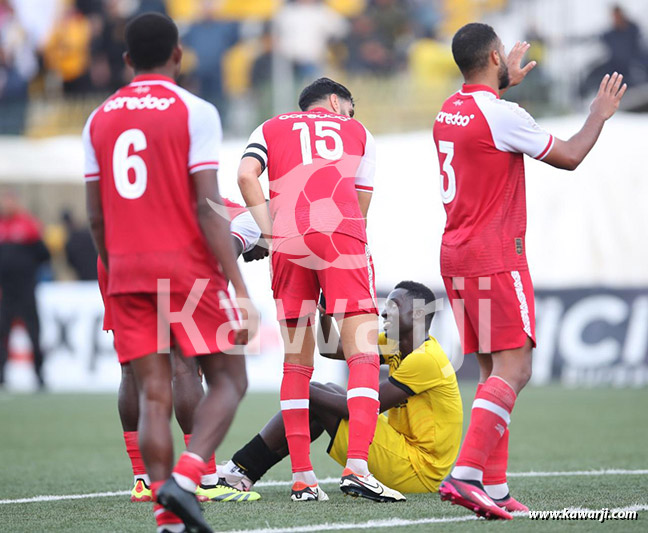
[[61, 497], [400, 522], [605, 472], [329, 481]]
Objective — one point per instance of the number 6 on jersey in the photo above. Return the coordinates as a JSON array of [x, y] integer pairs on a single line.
[[122, 163]]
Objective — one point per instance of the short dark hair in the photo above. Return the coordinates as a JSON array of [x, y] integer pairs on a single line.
[[418, 291], [150, 40], [471, 45], [320, 89]]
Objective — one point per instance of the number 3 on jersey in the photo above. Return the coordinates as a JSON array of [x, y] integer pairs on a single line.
[[448, 193], [323, 128], [123, 163]]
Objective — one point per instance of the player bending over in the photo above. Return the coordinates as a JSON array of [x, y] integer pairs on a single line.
[[320, 164], [417, 441], [481, 141], [187, 383], [152, 152]]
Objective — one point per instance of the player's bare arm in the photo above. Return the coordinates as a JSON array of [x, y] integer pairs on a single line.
[[248, 181], [569, 154], [335, 402], [217, 232], [238, 247], [516, 71], [96, 219], [364, 200]]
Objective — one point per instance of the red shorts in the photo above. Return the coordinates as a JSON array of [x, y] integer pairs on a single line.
[[338, 264], [494, 312], [207, 328]]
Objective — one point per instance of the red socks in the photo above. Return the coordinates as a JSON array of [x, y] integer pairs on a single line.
[[491, 414], [163, 517], [188, 471], [133, 451], [294, 395], [497, 463], [362, 401], [211, 464]]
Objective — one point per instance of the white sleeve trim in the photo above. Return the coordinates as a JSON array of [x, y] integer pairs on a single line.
[[365, 175], [91, 166]]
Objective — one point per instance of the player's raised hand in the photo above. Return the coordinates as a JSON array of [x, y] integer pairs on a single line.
[[609, 95], [249, 321], [517, 72]]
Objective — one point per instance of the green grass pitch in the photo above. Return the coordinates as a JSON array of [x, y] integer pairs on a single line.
[[53, 444]]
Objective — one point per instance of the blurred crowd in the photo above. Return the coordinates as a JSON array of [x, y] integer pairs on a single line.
[[75, 47], [234, 48]]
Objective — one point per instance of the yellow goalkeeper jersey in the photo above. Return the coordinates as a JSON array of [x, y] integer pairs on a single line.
[[431, 417]]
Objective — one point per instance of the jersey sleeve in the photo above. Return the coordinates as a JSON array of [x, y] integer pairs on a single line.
[[90, 167], [257, 147], [418, 372], [367, 169], [206, 137], [244, 228], [515, 130]]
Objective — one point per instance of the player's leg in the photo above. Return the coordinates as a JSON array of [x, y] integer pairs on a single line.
[[187, 390], [514, 367], [296, 289], [494, 480], [359, 337], [227, 383], [269, 446], [389, 458], [6, 320], [187, 393], [135, 321], [350, 293], [299, 346], [128, 408], [32, 325], [153, 377], [515, 370], [505, 329]]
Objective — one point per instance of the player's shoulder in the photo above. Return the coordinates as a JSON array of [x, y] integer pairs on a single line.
[[500, 109], [101, 107], [196, 106], [430, 355]]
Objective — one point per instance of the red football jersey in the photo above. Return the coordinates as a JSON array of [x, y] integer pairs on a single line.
[[142, 145], [481, 141], [316, 162]]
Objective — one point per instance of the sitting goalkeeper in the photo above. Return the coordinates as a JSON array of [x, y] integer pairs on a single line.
[[417, 440]]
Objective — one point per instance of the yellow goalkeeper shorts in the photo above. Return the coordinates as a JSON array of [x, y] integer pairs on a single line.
[[389, 459]]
